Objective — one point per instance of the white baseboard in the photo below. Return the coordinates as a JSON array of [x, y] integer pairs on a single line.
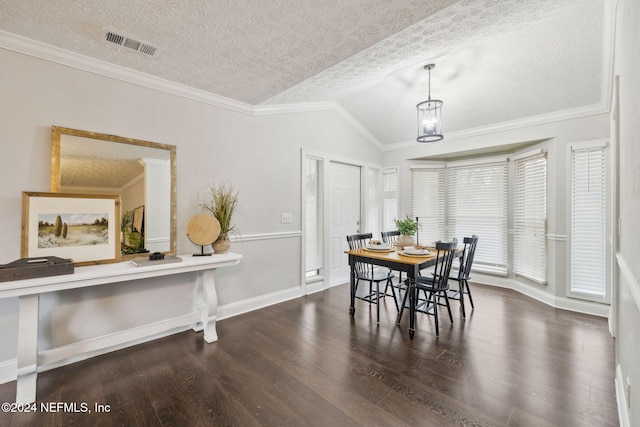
[[85, 349], [8, 370], [314, 287], [540, 294], [82, 350], [245, 306], [621, 399]]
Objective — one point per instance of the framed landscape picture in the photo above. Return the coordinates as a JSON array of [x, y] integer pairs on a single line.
[[82, 227]]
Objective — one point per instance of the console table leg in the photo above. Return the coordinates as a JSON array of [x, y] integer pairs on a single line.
[[210, 308], [27, 349]]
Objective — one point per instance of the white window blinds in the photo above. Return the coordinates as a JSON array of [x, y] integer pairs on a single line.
[[389, 199], [530, 218], [313, 214], [588, 221], [373, 201], [428, 203], [477, 204]]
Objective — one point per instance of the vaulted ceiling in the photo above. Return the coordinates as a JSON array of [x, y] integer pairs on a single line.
[[497, 61]]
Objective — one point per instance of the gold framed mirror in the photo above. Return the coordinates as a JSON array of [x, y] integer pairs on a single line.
[[142, 173]]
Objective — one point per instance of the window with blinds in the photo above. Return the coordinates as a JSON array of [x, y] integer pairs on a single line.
[[530, 218], [313, 214], [588, 221], [373, 201], [389, 199], [477, 204], [428, 201]]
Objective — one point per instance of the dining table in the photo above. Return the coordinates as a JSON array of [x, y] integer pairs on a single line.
[[397, 260]]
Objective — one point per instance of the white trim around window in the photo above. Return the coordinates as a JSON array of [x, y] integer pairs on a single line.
[[588, 221]]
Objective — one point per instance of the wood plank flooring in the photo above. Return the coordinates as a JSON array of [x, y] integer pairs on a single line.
[[513, 361]]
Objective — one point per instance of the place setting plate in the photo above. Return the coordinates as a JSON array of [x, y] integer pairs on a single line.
[[415, 252], [379, 247]]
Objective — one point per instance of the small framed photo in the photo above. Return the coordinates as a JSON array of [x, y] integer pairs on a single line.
[[82, 227], [138, 220]]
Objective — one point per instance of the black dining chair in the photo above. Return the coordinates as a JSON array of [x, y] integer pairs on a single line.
[[435, 286], [366, 272], [464, 274]]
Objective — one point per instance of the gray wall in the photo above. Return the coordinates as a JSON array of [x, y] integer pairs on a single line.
[[259, 154]]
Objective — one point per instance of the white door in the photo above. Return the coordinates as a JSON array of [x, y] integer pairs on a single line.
[[345, 217]]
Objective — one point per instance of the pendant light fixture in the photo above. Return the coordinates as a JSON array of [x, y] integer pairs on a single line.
[[430, 116]]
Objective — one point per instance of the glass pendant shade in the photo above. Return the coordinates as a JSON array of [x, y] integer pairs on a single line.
[[430, 116], [430, 121]]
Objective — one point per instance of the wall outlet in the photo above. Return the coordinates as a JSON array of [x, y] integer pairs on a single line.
[[286, 218]]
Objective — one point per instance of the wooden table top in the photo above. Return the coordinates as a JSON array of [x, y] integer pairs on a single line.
[[394, 256]]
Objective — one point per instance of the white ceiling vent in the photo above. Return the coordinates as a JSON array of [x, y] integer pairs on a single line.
[[138, 46]]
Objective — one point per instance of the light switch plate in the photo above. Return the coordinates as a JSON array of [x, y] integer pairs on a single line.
[[286, 218]]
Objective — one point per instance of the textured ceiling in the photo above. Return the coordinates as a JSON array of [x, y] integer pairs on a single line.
[[88, 162], [248, 50], [550, 64], [496, 60]]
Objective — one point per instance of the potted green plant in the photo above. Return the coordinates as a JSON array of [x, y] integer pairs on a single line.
[[407, 228], [222, 205]]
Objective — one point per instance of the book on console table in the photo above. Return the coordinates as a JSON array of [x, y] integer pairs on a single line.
[[145, 262], [31, 268]]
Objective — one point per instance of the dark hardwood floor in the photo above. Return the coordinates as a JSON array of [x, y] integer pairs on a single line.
[[513, 361]]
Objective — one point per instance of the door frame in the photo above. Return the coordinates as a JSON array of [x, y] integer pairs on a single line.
[[323, 282]]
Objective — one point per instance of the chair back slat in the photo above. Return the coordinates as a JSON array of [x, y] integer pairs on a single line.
[[470, 244], [445, 253], [359, 241], [390, 236]]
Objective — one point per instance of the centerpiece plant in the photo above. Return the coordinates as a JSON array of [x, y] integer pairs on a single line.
[[407, 227], [222, 205]]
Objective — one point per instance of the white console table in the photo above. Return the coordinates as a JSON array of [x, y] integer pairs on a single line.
[[28, 291]]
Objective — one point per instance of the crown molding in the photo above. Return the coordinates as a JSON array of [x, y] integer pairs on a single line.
[[54, 54], [541, 119], [16, 43], [265, 110]]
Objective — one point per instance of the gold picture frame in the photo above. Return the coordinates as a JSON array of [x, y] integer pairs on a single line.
[[81, 227], [85, 162]]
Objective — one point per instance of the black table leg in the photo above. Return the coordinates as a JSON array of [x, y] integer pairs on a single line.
[[352, 286], [412, 306], [461, 289]]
